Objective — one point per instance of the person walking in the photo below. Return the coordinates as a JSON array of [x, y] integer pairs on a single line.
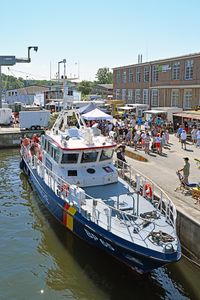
[[198, 138], [183, 139], [185, 170]]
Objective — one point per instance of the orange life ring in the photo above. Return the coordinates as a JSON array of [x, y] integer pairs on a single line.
[[148, 190], [64, 188]]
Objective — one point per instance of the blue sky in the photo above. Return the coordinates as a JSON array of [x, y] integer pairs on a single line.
[[95, 33]]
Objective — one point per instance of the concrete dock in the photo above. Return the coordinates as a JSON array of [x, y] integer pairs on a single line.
[[162, 170], [11, 136]]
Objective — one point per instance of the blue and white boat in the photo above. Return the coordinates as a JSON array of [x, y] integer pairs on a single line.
[[109, 205]]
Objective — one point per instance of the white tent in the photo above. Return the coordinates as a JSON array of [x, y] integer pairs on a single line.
[[96, 114]]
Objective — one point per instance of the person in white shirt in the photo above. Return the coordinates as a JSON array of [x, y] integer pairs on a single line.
[[198, 138], [183, 139]]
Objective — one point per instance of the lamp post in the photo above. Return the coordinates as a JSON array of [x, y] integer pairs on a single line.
[[62, 61], [11, 61]]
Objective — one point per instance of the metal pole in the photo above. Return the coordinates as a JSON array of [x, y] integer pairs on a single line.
[[0, 89], [58, 71]]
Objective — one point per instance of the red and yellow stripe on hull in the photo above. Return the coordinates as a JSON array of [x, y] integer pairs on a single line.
[[68, 213]]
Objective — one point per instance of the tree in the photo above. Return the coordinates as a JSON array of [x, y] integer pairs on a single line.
[[85, 87], [104, 76]]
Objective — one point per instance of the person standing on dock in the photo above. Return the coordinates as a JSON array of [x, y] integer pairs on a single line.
[[185, 170]]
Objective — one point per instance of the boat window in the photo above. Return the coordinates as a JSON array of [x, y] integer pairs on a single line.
[[69, 158], [56, 154], [43, 142], [48, 147], [89, 157], [106, 154], [72, 172]]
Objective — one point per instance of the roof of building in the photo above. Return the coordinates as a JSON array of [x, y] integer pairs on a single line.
[[190, 114], [164, 60], [108, 86], [32, 89]]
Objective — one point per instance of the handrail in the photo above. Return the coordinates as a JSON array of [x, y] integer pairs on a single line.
[[54, 182], [164, 203]]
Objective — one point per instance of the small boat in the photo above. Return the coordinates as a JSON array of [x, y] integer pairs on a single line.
[[99, 198]]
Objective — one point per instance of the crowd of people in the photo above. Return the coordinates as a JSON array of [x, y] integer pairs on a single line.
[[134, 132]]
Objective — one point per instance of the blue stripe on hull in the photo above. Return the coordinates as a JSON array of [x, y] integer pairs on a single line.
[[136, 257]]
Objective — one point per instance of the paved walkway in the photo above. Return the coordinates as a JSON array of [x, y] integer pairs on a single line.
[[162, 170]]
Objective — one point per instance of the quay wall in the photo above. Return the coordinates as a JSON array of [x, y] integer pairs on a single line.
[[188, 230], [9, 139], [189, 234], [13, 139]]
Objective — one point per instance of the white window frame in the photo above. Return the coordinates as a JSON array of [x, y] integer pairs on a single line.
[[155, 97], [145, 96], [176, 71], [155, 73], [130, 75], [146, 74], [137, 96], [130, 96], [189, 69], [187, 99], [118, 76], [175, 98], [124, 76], [138, 74], [124, 94], [118, 93]]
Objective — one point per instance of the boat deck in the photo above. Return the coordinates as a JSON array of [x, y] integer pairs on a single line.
[[123, 198]]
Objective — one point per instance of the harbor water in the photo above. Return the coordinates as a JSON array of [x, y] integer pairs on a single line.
[[41, 260]]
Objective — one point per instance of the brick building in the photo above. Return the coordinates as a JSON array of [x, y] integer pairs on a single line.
[[167, 82]]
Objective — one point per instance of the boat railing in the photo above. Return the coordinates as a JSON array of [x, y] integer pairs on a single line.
[[148, 189], [97, 210]]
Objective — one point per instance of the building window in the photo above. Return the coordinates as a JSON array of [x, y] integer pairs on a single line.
[[118, 94], [176, 71], [130, 96], [154, 97], [124, 77], [138, 74], [130, 75], [188, 69], [145, 96], [174, 98], [187, 102], [146, 74], [137, 95], [123, 94], [155, 73], [118, 76]]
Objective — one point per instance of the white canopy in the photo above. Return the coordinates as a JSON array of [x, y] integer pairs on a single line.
[[126, 107], [97, 114], [155, 112]]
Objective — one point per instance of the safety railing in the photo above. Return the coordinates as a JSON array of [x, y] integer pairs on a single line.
[[133, 226], [148, 189]]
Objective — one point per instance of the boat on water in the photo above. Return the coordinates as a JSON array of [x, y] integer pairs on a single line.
[[101, 199]]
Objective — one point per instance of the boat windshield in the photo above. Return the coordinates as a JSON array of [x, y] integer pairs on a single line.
[[89, 156], [106, 154], [69, 158]]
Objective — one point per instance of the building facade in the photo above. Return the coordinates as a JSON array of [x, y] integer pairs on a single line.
[[167, 82]]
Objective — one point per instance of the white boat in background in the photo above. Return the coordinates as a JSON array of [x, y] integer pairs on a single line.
[[109, 205]]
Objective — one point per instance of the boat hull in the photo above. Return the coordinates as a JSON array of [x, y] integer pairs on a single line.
[[136, 257]]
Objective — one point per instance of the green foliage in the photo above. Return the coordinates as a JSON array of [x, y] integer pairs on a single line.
[[104, 76], [10, 82], [85, 87]]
